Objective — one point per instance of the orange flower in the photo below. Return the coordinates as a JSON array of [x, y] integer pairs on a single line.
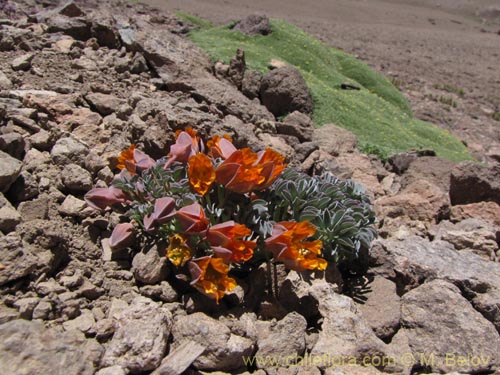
[[178, 252], [126, 160], [288, 246], [210, 277], [245, 170], [201, 173], [221, 147], [227, 241], [192, 219], [134, 160]]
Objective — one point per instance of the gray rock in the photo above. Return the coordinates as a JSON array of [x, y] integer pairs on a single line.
[[113, 370], [42, 310], [297, 124], [474, 235], [180, 359], [382, 306], [24, 188], [150, 266], [254, 24], [9, 217], [414, 260], [75, 27], [103, 103], [163, 292], [76, 179], [140, 339], [223, 350], [471, 182], [289, 332], [13, 144], [84, 323], [36, 209], [22, 62], [5, 82], [25, 306], [29, 348], [10, 168], [45, 288], [334, 140], [67, 150], [438, 321], [72, 206], [8, 314], [41, 140], [250, 85], [283, 91]]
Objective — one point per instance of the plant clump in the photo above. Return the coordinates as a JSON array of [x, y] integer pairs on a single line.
[[219, 210]]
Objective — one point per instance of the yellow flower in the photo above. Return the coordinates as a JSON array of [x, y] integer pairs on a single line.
[[178, 252]]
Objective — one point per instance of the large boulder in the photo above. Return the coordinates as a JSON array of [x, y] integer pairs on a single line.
[[140, 339], [443, 326], [471, 182], [412, 261], [254, 24], [29, 348], [284, 90]]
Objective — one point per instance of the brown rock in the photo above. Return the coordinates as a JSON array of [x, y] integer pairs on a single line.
[[488, 211], [284, 90], [334, 139], [254, 24], [471, 182], [381, 309]]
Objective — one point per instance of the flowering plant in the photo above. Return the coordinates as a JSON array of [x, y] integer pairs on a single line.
[[218, 209]]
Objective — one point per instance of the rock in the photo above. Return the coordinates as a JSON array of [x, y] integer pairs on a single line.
[[414, 260], [254, 24], [343, 333], [25, 306], [433, 169], [45, 288], [9, 217], [75, 27], [18, 259], [7, 314], [76, 179], [353, 370], [284, 90], [89, 290], [178, 360], [487, 211], [439, 322], [236, 69], [24, 188], [5, 82], [296, 124], [64, 44], [35, 209], [381, 307], [113, 370], [150, 266], [421, 201], [471, 234], [471, 182], [84, 323], [13, 144], [289, 332], [223, 351], [22, 62], [103, 103], [278, 144], [30, 348], [67, 150], [250, 85], [140, 339], [10, 168], [163, 292], [43, 310], [105, 32], [72, 206], [334, 140]]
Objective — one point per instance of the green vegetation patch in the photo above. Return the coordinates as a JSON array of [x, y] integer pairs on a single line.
[[378, 113]]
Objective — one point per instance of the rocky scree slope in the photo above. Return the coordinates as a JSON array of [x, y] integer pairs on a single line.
[[81, 81]]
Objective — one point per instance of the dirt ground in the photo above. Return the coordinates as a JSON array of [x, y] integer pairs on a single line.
[[421, 45]]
